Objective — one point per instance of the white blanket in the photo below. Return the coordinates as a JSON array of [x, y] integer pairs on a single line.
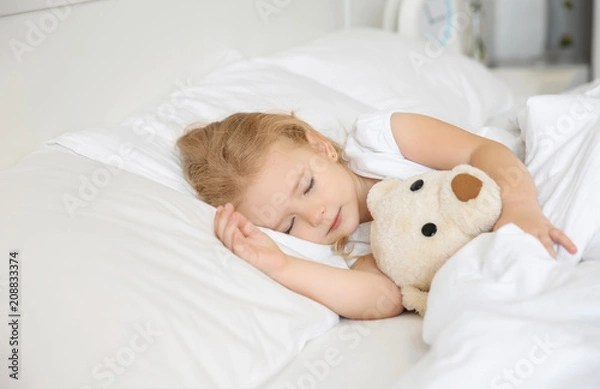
[[502, 313]]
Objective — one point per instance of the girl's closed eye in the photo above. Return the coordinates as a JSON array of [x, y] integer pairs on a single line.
[[309, 187], [311, 184]]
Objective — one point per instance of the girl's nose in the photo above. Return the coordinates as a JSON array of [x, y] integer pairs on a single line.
[[316, 215]]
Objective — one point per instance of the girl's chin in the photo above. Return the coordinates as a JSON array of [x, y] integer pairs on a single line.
[[345, 231], [351, 227]]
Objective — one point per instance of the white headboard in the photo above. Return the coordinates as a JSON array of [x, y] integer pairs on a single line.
[[94, 63]]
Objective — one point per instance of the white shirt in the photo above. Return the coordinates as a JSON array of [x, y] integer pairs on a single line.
[[371, 151]]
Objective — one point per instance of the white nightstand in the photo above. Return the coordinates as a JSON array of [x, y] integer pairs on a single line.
[[525, 81]]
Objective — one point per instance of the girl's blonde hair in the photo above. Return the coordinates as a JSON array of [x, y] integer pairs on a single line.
[[221, 159]]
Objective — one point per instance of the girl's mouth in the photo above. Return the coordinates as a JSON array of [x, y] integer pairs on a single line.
[[336, 222]]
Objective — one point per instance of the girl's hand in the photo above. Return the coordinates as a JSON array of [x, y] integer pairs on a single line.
[[246, 241], [533, 221]]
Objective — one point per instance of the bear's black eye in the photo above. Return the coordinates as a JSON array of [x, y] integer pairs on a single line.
[[429, 229], [416, 185]]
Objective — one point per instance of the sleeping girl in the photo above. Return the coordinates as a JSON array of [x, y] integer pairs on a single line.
[[276, 171]]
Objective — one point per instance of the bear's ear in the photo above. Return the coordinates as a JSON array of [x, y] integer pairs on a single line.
[[464, 168], [379, 190], [469, 169]]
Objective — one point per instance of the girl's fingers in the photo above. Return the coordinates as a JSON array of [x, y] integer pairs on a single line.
[[562, 239], [229, 231], [246, 226], [241, 249], [548, 244], [238, 246], [222, 218]]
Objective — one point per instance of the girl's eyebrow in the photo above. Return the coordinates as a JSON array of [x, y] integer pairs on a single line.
[[297, 180]]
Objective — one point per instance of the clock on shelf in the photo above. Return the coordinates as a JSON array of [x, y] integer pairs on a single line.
[[444, 24]]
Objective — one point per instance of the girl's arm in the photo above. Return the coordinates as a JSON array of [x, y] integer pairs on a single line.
[[361, 293], [440, 145]]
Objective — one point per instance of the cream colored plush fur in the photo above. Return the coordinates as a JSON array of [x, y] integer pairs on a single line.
[[460, 203]]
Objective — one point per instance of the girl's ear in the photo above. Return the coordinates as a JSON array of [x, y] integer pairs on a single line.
[[321, 144]]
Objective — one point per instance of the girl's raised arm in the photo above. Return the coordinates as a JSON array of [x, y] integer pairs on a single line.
[[361, 293], [440, 145]]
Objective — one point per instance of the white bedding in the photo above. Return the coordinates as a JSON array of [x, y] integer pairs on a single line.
[[502, 313], [132, 289], [356, 354], [112, 238]]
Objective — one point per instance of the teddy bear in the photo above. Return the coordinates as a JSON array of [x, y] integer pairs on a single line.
[[420, 222]]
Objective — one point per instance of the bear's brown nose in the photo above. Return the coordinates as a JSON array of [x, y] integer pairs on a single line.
[[466, 186]]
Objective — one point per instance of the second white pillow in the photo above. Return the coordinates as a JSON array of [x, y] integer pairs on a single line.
[[386, 71]]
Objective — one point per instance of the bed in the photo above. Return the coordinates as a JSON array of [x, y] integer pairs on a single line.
[[112, 275]]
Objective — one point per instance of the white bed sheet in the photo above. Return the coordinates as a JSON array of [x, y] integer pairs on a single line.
[[501, 312], [122, 284], [356, 355]]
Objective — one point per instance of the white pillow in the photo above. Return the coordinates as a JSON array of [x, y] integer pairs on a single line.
[[132, 289], [115, 252], [383, 70], [145, 142]]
